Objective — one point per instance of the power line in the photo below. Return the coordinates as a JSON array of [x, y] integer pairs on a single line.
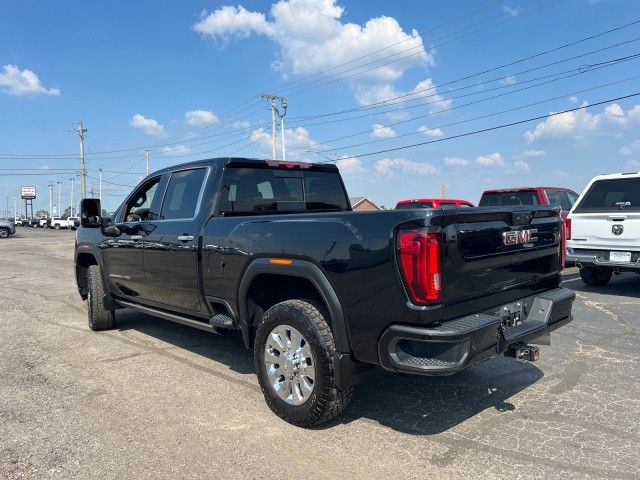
[[489, 129]]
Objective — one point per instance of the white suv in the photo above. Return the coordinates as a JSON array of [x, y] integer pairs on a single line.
[[603, 228]]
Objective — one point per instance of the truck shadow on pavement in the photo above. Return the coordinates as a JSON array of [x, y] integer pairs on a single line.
[[623, 285], [406, 403]]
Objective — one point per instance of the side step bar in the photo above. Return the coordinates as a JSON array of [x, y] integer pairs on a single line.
[[172, 317]]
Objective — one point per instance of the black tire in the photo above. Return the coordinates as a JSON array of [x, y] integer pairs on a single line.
[[100, 314], [596, 276], [57, 227], [4, 233], [326, 400]]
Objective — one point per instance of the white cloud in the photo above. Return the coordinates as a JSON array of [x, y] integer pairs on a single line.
[[147, 125], [490, 160], [521, 166], [509, 80], [200, 117], [312, 39], [633, 163], [629, 149], [511, 11], [574, 125], [176, 150], [23, 82], [44, 167], [229, 21], [573, 99], [380, 131], [391, 166], [534, 153], [431, 132], [456, 161], [241, 124], [294, 139], [348, 165]]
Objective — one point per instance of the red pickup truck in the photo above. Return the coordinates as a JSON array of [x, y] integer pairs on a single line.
[[434, 203], [555, 196]]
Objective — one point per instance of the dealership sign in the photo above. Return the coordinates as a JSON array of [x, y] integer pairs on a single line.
[[28, 193]]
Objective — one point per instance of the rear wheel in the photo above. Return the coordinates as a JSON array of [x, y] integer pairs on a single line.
[[4, 233], [294, 357], [100, 314], [596, 276], [57, 227]]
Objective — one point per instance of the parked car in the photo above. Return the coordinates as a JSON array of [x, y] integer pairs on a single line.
[[59, 222], [44, 223], [603, 228], [74, 222], [321, 293], [434, 203], [34, 222], [7, 228], [556, 196]]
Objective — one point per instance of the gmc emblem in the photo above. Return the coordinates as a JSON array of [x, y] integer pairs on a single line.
[[519, 237]]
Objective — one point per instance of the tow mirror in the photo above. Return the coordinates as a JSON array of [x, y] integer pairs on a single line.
[[90, 212]]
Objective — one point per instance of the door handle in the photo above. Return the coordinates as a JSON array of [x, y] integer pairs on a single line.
[[185, 238], [136, 237]]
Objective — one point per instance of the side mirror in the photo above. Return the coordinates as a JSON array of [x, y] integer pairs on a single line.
[[90, 212]]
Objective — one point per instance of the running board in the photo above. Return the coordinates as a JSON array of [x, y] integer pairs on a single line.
[[172, 317]]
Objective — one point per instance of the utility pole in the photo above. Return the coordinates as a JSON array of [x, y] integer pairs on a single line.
[[274, 111], [50, 200], [59, 198], [100, 185], [80, 130], [146, 159], [15, 209], [73, 180]]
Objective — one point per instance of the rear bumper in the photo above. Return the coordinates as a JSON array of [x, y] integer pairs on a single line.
[[459, 343], [600, 258]]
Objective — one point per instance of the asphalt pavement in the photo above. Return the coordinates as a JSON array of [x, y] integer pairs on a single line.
[[155, 400]]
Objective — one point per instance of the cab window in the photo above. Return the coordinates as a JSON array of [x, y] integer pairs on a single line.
[[138, 208]]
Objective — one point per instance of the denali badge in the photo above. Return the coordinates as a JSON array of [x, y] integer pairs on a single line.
[[519, 237], [617, 229]]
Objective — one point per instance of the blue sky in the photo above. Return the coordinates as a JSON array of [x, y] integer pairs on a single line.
[[183, 78]]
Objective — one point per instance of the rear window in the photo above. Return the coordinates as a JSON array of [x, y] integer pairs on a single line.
[[612, 195], [499, 199], [251, 191], [403, 206]]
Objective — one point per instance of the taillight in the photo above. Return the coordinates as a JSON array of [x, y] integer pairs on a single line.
[[419, 262], [567, 228]]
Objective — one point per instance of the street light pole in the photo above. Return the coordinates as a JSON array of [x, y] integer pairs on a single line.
[[59, 197], [100, 186], [73, 180]]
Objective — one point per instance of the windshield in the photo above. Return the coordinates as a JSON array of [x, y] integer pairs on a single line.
[[614, 194], [498, 199]]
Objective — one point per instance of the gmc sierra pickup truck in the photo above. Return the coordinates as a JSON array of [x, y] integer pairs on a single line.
[[320, 293]]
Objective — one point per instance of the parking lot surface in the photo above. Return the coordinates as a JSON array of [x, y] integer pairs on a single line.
[[152, 399]]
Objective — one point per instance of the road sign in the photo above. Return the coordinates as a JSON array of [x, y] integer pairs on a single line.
[[28, 193]]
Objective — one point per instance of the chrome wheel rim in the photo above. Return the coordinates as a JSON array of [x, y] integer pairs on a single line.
[[289, 365]]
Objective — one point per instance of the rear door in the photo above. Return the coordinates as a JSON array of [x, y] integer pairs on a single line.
[[607, 216], [494, 255], [171, 245]]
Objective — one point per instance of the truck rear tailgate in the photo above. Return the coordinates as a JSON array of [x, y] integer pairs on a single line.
[[492, 256]]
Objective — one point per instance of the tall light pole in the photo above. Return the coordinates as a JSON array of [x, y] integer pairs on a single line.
[[146, 159], [50, 200], [100, 186], [59, 197], [284, 112], [73, 180]]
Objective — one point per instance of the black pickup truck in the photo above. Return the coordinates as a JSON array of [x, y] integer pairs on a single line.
[[319, 292]]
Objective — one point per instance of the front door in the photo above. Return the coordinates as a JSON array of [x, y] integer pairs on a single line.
[[171, 246], [123, 254]]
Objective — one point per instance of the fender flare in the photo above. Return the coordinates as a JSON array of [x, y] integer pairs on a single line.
[[95, 253], [303, 269]]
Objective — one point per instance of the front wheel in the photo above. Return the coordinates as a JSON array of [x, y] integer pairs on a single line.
[[100, 314], [4, 233], [596, 276], [294, 358]]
